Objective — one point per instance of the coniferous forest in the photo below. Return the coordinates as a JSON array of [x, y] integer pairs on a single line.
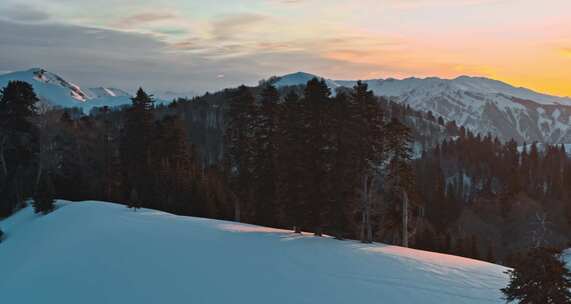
[[346, 164]]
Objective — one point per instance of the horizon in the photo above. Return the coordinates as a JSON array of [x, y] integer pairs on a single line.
[[131, 90], [192, 46]]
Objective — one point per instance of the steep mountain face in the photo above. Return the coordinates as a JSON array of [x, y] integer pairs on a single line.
[[480, 104], [53, 90]]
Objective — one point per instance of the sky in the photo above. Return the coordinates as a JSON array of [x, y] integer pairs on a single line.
[[195, 46]]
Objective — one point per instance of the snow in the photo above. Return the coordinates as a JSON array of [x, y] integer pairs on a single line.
[[96, 252], [480, 104], [398, 87], [56, 91]]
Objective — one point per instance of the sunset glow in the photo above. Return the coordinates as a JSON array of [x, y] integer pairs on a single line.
[[522, 42]]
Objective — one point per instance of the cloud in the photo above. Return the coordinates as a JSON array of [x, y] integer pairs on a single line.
[[415, 4], [232, 26], [566, 52], [144, 18], [22, 13]]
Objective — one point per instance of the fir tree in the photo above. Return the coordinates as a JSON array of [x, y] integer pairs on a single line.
[[44, 196], [136, 145], [291, 162], [539, 277], [239, 148], [264, 167], [367, 125], [316, 141], [19, 144], [400, 177]]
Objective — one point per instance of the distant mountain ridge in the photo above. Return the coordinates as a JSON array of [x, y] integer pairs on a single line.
[[481, 104], [54, 90]]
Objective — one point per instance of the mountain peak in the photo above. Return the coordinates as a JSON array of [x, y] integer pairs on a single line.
[[54, 90]]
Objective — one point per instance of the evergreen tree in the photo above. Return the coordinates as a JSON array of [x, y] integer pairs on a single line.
[[400, 178], [290, 157], [343, 174], [134, 201], [264, 167], [239, 148], [136, 145], [317, 153], [539, 277], [44, 196], [19, 144], [367, 124]]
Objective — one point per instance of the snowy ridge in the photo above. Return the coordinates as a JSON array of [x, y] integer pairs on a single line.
[[53, 90], [480, 104], [117, 255]]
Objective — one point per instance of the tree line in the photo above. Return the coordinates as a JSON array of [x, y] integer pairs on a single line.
[[320, 163], [349, 164]]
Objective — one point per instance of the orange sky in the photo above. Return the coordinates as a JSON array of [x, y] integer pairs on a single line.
[[523, 42]]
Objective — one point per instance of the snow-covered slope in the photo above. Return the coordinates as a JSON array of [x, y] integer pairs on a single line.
[[94, 252], [481, 104], [56, 91]]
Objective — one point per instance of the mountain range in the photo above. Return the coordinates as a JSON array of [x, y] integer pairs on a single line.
[[54, 90], [481, 104]]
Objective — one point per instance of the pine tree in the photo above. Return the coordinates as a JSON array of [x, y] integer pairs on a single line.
[[400, 177], [291, 162], [44, 196], [19, 144], [539, 277], [136, 146], [316, 140], [367, 125], [239, 148], [264, 165], [343, 174]]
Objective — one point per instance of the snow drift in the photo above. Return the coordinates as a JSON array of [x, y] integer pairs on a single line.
[[95, 252]]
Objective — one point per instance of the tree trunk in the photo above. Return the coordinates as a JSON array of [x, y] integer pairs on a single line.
[[236, 209], [3, 160], [366, 225], [405, 220], [39, 173], [296, 229]]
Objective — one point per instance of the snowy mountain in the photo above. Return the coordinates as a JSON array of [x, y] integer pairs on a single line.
[[480, 104], [53, 90], [95, 252]]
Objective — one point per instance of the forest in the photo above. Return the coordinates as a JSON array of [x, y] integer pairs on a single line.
[[347, 164]]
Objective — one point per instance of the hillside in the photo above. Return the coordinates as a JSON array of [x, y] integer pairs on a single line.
[[484, 105], [55, 91], [94, 252]]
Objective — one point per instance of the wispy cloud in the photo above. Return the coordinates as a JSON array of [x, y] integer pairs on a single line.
[[20, 12], [143, 19], [195, 41]]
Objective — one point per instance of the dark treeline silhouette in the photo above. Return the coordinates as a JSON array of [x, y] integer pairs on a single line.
[[319, 163], [349, 164]]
